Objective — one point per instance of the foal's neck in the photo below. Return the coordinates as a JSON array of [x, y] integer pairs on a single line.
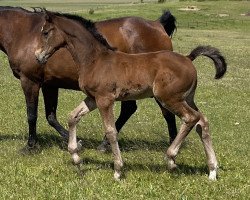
[[85, 49]]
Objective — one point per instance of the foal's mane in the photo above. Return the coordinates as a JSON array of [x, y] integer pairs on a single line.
[[87, 24]]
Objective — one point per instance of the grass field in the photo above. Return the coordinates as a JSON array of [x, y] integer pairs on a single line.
[[50, 174]]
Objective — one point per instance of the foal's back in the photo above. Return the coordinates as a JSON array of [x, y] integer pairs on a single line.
[[137, 76]]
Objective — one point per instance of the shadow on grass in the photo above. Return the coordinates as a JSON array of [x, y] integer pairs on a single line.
[[127, 145], [47, 140], [11, 137], [182, 169]]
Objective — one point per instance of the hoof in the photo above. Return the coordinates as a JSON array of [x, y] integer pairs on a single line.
[[172, 167], [117, 176], [171, 164], [76, 159], [78, 162], [213, 175]]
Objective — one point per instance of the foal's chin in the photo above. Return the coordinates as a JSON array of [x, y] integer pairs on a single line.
[[42, 59], [41, 56]]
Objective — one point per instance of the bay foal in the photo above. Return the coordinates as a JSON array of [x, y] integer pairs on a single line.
[[106, 76]]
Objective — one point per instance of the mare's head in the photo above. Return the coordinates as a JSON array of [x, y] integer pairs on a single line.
[[51, 38]]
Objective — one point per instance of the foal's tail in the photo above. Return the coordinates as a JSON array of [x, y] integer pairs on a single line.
[[213, 53], [168, 21]]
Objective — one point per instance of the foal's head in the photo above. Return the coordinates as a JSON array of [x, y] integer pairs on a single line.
[[52, 38], [59, 28]]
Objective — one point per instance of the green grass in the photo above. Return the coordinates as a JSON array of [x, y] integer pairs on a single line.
[[49, 174]]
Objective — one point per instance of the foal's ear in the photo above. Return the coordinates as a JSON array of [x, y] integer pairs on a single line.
[[48, 17]]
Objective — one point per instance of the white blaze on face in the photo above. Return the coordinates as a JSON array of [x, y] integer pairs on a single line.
[[43, 27]]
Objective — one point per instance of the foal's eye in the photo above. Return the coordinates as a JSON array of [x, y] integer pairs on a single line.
[[45, 33]]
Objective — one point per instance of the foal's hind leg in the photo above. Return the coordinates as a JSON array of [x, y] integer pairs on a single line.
[[105, 106], [189, 118], [202, 129], [170, 119], [85, 107]]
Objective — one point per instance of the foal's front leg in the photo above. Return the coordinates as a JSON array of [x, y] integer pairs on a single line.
[[105, 106], [85, 107]]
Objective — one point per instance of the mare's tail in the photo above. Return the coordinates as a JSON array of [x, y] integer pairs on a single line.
[[168, 21], [213, 53]]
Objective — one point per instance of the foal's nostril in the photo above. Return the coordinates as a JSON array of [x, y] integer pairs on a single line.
[[41, 59], [40, 56]]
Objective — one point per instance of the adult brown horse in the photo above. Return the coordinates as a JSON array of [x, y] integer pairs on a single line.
[[106, 76], [19, 31]]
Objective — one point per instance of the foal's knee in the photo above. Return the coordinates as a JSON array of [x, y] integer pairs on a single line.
[[72, 119]]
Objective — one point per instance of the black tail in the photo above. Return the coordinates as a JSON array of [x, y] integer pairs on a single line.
[[215, 55], [168, 22]]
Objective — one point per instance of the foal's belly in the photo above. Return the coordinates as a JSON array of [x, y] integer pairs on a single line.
[[133, 94]]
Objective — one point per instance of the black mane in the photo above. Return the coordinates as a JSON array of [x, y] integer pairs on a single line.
[[89, 25], [2, 8]]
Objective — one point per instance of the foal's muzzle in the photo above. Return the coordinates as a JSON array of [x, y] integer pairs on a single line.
[[41, 56]]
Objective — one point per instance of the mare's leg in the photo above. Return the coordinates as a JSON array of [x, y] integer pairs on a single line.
[[50, 96], [31, 92], [127, 110], [170, 119], [85, 107], [105, 107]]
